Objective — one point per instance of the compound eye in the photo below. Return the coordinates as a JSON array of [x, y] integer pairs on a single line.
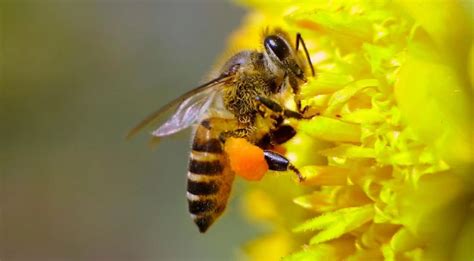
[[278, 46]]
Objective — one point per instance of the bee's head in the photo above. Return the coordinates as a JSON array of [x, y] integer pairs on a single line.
[[281, 54]]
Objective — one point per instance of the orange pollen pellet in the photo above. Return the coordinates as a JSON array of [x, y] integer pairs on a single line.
[[246, 159]]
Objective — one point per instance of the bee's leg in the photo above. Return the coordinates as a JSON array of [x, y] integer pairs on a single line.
[[275, 107], [278, 162], [277, 136], [282, 134], [237, 133]]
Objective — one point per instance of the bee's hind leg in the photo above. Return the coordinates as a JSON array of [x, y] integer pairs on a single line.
[[278, 162]]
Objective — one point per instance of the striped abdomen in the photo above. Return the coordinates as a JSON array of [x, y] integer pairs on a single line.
[[209, 176]]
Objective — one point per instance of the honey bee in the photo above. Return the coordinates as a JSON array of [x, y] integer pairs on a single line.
[[242, 100]]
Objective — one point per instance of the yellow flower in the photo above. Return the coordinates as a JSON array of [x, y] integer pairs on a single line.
[[388, 163]]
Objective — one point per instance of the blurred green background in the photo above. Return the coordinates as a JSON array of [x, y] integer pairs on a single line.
[[74, 77]]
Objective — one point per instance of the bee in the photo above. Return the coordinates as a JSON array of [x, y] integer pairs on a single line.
[[242, 100]]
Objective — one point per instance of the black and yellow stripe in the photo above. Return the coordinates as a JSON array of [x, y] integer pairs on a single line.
[[203, 188], [211, 145], [209, 177], [212, 167]]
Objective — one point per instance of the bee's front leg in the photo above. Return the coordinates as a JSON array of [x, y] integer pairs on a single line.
[[278, 162], [277, 108]]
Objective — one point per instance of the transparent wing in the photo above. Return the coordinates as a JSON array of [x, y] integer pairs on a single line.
[[189, 108], [188, 113]]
